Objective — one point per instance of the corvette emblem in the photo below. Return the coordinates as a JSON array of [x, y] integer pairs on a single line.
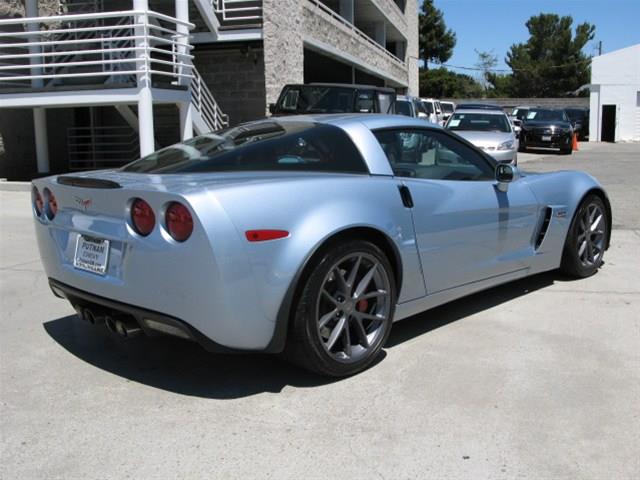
[[83, 202]]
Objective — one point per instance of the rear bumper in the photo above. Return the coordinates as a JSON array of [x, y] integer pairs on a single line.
[[148, 320]]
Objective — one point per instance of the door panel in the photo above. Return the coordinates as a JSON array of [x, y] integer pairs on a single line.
[[469, 231]]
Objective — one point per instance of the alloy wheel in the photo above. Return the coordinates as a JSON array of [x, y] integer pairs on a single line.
[[354, 306], [591, 235]]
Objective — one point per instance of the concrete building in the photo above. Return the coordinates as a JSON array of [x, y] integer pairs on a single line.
[[615, 96], [95, 83]]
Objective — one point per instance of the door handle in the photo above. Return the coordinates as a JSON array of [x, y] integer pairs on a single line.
[[405, 195]]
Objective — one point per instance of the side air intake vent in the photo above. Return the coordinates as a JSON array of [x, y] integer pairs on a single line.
[[545, 226]]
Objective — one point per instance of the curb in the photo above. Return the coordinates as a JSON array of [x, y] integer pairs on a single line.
[[14, 186]]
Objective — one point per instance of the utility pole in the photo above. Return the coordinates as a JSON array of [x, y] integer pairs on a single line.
[[600, 48]]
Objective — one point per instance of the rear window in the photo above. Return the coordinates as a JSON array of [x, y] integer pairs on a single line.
[[262, 146], [316, 99]]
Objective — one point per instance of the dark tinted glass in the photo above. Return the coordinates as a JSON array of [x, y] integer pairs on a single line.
[[428, 107], [446, 107], [262, 146], [316, 99], [430, 154], [479, 122], [538, 114], [403, 107]]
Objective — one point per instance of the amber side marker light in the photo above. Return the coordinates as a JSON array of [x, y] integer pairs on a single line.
[[263, 235]]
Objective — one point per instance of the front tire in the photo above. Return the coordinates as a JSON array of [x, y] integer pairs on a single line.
[[587, 239], [344, 312]]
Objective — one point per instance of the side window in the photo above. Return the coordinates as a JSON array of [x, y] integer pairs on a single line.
[[290, 101], [433, 155]]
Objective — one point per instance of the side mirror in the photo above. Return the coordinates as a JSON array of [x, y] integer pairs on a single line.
[[505, 174], [272, 108]]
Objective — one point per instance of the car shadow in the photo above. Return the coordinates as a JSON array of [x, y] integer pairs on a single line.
[[185, 368]]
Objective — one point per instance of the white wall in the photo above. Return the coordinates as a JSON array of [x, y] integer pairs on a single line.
[[615, 79]]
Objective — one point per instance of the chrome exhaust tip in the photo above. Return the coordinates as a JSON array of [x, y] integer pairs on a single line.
[[127, 330]]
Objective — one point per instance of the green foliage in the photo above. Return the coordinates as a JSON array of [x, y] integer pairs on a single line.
[[436, 40], [443, 83], [500, 85], [551, 63]]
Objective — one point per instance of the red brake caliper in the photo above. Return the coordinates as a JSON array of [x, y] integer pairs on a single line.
[[362, 305]]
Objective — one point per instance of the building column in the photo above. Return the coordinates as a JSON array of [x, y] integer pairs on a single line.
[[145, 96], [39, 114], [185, 108], [186, 120], [346, 10]]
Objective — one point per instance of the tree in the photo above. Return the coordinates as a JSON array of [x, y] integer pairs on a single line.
[[501, 85], [443, 83], [486, 62], [436, 40], [551, 63]]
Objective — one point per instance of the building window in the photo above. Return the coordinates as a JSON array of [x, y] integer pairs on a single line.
[[638, 99]]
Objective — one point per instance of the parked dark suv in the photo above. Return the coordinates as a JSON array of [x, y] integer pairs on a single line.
[[580, 120], [546, 128], [333, 98]]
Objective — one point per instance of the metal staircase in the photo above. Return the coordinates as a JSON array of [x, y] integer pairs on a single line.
[[238, 14], [88, 50]]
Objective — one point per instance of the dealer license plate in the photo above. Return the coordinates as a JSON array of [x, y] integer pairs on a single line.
[[92, 254], [546, 138]]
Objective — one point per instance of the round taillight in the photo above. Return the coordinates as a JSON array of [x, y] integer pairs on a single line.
[[38, 204], [142, 217], [51, 207], [179, 221]]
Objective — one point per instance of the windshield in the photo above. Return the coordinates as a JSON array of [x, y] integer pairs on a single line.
[[575, 114], [261, 146], [403, 107], [546, 115], [428, 106], [447, 107], [318, 99], [481, 122]]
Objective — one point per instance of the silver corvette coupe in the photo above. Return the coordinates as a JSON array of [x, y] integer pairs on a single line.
[[307, 235]]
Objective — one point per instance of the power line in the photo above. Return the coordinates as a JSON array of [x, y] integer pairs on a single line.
[[510, 70]]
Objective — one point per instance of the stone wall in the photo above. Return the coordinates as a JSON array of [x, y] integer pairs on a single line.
[[321, 27], [411, 14], [283, 46], [393, 12], [236, 77]]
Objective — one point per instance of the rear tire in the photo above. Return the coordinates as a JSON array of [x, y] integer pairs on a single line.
[[586, 240], [344, 312]]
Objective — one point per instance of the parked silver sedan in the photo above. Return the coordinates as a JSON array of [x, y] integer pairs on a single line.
[[487, 129]]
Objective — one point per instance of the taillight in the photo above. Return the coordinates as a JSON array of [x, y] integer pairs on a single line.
[[142, 217], [179, 221], [51, 208], [38, 204]]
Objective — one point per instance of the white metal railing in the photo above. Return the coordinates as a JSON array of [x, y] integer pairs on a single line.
[[143, 43], [205, 104], [245, 11], [101, 146], [356, 31]]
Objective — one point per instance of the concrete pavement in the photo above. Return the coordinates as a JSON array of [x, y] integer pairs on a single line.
[[537, 379]]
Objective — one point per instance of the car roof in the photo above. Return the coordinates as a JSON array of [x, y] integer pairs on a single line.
[[371, 120], [343, 85], [483, 111]]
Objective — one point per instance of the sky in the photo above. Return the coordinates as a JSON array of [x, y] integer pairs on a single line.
[[494, 25]]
